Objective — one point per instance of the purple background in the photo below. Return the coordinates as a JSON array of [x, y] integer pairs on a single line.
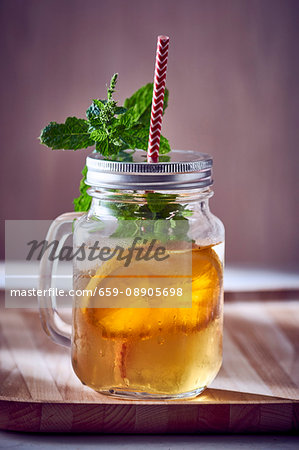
[[233, 80]]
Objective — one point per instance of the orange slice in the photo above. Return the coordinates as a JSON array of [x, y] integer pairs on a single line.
[[145, 321]]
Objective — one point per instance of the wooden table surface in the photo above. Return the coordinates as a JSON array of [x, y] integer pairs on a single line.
[[257, 388]]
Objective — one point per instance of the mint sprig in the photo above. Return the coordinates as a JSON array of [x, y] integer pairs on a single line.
[[160, 217], [108, 127], [112, 129]]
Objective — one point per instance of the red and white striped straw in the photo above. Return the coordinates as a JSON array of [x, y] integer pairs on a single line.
[[158, 99]]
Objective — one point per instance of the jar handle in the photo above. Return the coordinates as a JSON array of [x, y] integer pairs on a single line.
[[55, 327]]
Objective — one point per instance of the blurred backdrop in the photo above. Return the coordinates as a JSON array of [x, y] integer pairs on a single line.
[[233, 81]]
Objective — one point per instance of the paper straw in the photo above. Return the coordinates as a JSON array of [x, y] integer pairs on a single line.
[[158, 99]]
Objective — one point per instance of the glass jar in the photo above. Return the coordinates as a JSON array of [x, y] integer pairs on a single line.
[[147, 278]]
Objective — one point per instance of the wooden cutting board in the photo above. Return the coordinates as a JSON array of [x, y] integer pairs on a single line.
[[257, 388]]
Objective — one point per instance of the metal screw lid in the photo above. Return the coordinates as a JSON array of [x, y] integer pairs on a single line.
[[177, 170]]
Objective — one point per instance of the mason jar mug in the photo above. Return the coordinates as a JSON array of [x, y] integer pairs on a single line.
[[147, 277]]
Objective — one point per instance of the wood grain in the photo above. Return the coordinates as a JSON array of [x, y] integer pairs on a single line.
[[257, 388]]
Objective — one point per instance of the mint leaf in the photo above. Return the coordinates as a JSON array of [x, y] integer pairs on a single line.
[[103, 147], [98, 135], [82, 203], [156, 202], [127, 120], [141, 102], [120, 110], [71, 135], [137, 137], [164, 146], [137, 119]]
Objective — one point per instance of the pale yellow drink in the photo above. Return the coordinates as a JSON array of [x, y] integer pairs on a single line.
[[161, 351]]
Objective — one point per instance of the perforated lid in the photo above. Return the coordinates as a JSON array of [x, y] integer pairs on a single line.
[[178, 170]]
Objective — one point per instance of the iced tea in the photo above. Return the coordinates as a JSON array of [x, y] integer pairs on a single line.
[[165, 352]]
